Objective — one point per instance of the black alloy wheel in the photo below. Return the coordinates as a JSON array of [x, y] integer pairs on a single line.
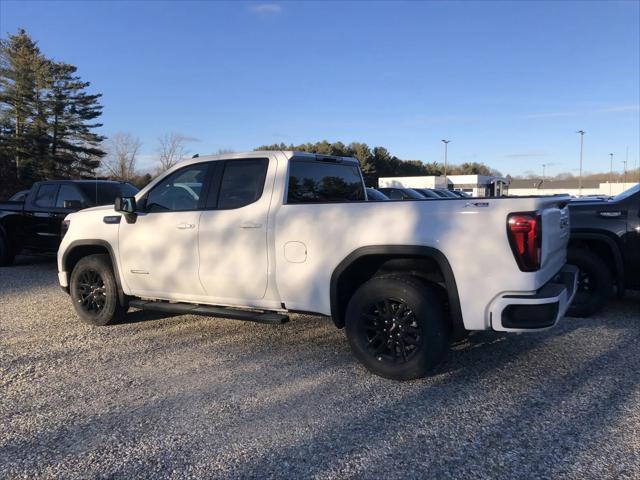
[[397, 327], [91, 292], [595, 282], [94, 291], [392, 331], [584, 288]]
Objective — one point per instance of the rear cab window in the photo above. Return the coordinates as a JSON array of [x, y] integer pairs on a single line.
[[69, 192], [313, 181]]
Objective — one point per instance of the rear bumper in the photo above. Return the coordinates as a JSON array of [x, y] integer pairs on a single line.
[[535, 311]]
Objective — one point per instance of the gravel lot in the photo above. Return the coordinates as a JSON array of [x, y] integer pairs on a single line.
[[187, 396]]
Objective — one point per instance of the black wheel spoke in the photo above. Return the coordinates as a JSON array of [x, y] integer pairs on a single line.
[[391, 331], [91, 291]]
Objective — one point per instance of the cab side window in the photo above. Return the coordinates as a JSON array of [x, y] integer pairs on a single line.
[[242, 182], [46, 196], [180, 191], [69, 192]]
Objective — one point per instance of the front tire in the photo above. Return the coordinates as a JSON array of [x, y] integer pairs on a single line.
[[396, 327], [595, 283], [94, 291]]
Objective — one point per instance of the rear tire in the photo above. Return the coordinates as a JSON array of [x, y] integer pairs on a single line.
[[396, 327], [595, 283], [94, 291], [7, 254]]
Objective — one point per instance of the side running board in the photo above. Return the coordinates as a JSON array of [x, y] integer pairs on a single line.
[[220, 312]]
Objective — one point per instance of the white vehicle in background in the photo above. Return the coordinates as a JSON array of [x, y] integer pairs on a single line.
[[273, 232]]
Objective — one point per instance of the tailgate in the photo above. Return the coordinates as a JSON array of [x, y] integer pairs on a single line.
[[555, 232]]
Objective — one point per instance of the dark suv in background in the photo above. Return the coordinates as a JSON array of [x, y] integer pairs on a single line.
[[605, 245], [33, 222]]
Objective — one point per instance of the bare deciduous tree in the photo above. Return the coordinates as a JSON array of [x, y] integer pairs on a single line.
[[120, 162], [171, 149]]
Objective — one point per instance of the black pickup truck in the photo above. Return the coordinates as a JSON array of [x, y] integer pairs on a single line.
[[34, 224], [605, 245]]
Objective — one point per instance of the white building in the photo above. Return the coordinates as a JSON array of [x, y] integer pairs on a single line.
[[537, 186], [475, 185]]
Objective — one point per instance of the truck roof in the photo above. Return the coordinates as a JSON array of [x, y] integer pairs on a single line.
[[261, 153]]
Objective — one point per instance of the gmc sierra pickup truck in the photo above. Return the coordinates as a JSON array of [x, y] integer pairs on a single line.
[[257, 235], [34, 223], [605, 246]]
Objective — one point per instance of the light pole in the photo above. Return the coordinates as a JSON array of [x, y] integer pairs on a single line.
[[626, 160], [624, 177], [610, 173], [544, 165], [581, 132], [446, 142]]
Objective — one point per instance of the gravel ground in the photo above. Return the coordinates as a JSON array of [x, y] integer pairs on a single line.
[[187, 396]]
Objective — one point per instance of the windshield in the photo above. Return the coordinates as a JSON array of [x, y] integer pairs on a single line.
[[373, 194], [627, 193], [411, 193], [106, 193]]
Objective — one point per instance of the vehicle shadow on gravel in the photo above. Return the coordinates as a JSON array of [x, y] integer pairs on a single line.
[[546, 429], [438, 425]]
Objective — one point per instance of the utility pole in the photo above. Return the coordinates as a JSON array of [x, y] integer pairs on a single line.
[[543, 169], [446, 143], [581, 132], [610, 173]]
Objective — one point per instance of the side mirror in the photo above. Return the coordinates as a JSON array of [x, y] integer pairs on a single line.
[[72, 204], [125, 205]]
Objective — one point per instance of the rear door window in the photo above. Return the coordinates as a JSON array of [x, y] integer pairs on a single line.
[[242, 182], [323, 182], [46, 196], [69, 192]]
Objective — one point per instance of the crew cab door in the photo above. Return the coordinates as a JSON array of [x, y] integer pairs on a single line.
[[158, 247], [233, 232], [66, 192], [39, 223]]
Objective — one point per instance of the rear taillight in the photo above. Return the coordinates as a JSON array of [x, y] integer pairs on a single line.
[[525, 238]]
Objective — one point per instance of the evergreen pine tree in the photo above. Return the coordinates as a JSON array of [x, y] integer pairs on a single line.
[[74, 147], [47, 118], [21, 70]]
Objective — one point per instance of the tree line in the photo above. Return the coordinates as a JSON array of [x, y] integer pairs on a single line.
[[631, 175], [378, 162]]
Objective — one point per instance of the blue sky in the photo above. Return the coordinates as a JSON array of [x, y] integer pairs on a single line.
[[508, 82]]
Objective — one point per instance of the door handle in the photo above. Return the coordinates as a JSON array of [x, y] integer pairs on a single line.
[[250, 225], [185, 226]]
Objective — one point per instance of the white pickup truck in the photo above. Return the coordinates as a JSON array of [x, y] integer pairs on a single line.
[[256, 235]]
